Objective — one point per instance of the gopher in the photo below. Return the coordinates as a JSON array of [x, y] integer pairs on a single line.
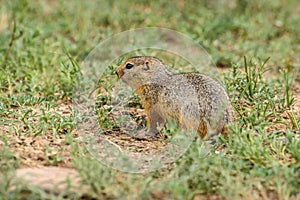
[[195, 101]]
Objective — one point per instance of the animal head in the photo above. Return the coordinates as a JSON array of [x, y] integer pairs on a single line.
[[141, 70]]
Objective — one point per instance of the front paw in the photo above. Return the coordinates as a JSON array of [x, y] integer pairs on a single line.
[[142, 134]]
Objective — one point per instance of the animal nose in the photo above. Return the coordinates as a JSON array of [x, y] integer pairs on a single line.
[[119, 72]]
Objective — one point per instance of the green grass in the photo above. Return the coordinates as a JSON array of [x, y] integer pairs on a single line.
[[42, 44]]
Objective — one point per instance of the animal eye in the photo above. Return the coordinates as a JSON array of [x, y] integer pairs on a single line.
[[129, 66]]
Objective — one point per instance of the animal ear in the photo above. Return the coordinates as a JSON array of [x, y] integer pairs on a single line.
[[146, 66]]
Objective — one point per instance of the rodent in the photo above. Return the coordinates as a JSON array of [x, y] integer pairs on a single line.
[[194, 100]]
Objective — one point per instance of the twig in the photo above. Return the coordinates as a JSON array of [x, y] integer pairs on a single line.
[[114, 144], [13, 38]]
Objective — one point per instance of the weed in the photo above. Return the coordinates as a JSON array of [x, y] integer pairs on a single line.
[[287, 80]]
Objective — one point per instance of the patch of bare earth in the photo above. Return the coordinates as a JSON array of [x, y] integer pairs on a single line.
[[37, 152], [286, 116], [119, 137], [56, 180], [127, 142], [40, 150], [45, 161]]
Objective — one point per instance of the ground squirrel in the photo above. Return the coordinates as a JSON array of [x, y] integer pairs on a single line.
[[194, 100]]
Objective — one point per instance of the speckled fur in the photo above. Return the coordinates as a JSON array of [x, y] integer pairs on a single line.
[[194, 100]]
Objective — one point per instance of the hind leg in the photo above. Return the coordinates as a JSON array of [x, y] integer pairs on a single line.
[[224, 131], [202, 129]]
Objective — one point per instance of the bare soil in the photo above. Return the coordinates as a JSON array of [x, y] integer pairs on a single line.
[[44, 150]]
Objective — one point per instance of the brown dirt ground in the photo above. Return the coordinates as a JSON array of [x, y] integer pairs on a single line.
[[44, 150], [294, 108]]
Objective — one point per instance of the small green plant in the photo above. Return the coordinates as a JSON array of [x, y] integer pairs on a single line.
[[8, 164], [295, 121], [103, 111], [70, 73], [288, 97], [252, 97]]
